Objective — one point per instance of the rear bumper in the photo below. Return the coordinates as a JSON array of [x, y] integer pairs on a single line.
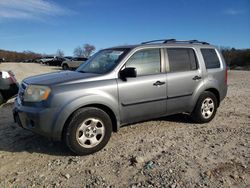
[[223, 93], [37, 120]]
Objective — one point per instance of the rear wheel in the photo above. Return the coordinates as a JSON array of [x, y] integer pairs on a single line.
[[88, 131], [65, 67], [205, 108]]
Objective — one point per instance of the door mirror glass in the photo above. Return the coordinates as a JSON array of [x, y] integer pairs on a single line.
[[129, 72]]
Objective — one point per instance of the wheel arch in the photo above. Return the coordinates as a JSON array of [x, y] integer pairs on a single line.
[[103, 107], [198, 93], [197, 114], [64, 63], [216, 93]]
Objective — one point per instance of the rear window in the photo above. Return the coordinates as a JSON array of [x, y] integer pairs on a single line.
[[181, 59], [211, 58]]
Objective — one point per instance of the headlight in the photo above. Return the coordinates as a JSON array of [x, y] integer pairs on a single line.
[[35, 93]]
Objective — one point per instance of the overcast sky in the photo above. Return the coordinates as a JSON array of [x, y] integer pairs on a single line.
[[44, 26]]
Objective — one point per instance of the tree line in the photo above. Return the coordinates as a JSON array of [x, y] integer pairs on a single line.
[[234, 58], [11, 56]]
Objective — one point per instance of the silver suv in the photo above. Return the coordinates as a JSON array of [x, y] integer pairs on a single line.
[[73, 63], [123, 85]]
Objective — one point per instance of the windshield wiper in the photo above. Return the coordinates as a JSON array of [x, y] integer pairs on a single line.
[[81, 71]]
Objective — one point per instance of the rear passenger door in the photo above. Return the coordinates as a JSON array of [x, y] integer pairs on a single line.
[[183, 77]]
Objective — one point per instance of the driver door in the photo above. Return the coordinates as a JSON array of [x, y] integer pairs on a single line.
[[144, 96]]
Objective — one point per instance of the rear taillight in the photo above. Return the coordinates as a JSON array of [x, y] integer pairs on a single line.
[[226, 75]]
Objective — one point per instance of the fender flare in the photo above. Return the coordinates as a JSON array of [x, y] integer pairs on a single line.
[[209, 85], [80, 102]]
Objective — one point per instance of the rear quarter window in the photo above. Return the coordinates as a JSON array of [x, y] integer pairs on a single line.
[[211, 58]]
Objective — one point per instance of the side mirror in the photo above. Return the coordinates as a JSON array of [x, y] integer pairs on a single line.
[[129, 72]]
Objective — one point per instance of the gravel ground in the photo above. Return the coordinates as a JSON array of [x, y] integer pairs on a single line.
[[167, 152]]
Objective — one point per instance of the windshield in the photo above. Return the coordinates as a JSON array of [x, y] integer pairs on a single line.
[[103, 62]]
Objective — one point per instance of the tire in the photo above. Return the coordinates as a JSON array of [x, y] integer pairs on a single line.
[[205, 108], [65, 67], [1, 99], [88, 131]]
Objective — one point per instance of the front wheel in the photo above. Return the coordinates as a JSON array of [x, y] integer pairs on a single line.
[[205, 108], [88, 131]]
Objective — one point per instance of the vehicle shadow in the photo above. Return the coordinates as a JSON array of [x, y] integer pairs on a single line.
[[16, 139], [21, 140], [178, 118], [57, 68]]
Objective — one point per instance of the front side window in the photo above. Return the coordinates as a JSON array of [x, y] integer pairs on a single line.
[[103, 62], [211, 59], [146, 62], [181, 59]]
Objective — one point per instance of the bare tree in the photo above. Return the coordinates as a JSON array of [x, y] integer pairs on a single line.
[[78, 51], [88, 49], [60, 53]]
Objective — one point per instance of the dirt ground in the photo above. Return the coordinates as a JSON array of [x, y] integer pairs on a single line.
[[167, 152]]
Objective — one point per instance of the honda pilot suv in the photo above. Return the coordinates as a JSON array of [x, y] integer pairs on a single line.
[[123, 85]]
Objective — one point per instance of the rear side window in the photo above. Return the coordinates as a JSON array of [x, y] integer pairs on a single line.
[[211, 59], [82, 59], [146, 61], [181, 59]]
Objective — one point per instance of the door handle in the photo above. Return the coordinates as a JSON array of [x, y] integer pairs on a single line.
[[158, 83], [197, 77]]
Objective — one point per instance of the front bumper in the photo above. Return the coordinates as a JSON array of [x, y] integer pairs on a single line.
[[38, 120]]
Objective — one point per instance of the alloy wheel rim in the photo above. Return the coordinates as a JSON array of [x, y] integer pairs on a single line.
[[207, 108], [90, 133]]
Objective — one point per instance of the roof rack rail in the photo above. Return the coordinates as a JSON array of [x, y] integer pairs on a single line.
[[176, 41], [153, 41]]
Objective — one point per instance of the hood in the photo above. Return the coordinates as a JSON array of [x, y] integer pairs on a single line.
[[58, 77]]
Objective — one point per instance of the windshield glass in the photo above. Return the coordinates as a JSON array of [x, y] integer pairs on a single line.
[[103, 62]]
